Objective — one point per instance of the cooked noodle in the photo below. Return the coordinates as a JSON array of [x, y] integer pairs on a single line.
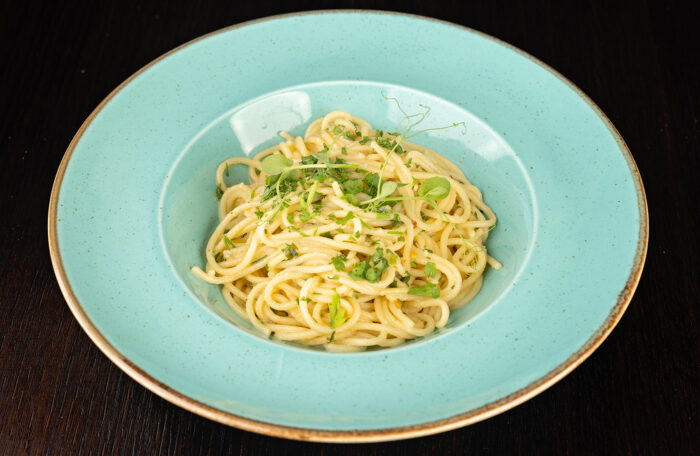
[[283, 274]]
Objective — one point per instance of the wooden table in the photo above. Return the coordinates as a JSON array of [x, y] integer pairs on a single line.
[[637, 394]]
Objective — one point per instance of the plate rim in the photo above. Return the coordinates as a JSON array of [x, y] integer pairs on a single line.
[[352, 436]]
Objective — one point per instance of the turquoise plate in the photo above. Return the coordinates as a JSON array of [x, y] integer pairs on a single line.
[[133, 203]]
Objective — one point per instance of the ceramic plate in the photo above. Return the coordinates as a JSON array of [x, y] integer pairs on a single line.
[[133, 205]]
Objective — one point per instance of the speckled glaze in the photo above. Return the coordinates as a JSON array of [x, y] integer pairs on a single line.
[[133, 204]]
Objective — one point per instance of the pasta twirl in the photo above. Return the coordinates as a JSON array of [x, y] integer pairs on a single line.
[[353, 238]]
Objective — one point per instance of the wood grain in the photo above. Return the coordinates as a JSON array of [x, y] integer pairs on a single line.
[[638, 393]]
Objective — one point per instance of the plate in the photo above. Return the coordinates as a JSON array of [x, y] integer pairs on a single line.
[[132, 207]]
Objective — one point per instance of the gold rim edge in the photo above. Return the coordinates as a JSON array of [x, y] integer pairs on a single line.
[[377, 435]]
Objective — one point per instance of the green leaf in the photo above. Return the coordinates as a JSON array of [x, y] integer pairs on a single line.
[[353, 186], [372, 181], [290, 251], [364, 140], [275, 164], [358, 272], [304, 215], [387, 189], [371, 270], [339, 262], [219, 193], [346, 219], [430, 270], [337, 313], [372, 275], [322, 156], [351, 199], [434, 188], [429, 290], [336, 130]]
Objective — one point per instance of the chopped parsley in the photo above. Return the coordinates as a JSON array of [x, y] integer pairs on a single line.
[[353, 186], [430, 270], [349, 216], [371, 270], [358, 272], [290, 251], [336, 311], [339, 262], [304, 215], [351, 199], [429, 290]]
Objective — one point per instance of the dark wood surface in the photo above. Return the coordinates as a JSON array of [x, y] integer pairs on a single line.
[[637, 394]]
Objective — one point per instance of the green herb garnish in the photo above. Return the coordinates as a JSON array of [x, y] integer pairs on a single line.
[[345, 219], [371, 270], [227, 242], [359, 270], [353, 186], [259, 259], [336, 311], [339, 262], [429, 290], [430, 270], [290, 251]]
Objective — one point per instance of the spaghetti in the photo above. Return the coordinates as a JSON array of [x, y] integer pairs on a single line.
[[348, 238]]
